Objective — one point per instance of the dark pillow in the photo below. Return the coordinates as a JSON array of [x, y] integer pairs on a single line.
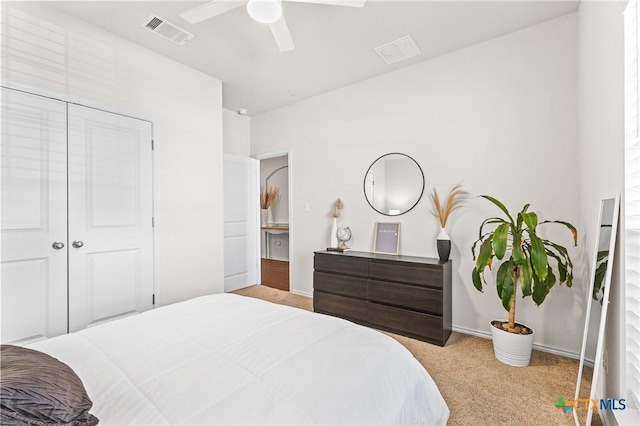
[[37, 389]]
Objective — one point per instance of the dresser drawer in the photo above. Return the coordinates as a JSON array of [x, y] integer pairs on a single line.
[[341, 306], [341, 264], [413, 297], [406, 322], [406, 273], [340, 284]]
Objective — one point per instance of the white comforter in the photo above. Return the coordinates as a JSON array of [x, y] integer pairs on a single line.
[[229, 359]]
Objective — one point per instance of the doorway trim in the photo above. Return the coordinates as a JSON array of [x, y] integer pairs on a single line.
[[272, 154]]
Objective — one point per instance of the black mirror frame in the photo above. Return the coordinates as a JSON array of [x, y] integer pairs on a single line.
[[364, 184]]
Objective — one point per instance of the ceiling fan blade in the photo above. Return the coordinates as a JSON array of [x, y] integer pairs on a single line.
[[352, 3], [210, 9], [281, 33]]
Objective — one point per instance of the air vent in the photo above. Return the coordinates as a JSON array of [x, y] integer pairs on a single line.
[[167, 30], [398, 50]]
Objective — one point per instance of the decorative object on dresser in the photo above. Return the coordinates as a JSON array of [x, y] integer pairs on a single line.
[[344, 235], [526, 265], [407, 295], [393, 184], [387, 238], [335, 213], [442, 211]]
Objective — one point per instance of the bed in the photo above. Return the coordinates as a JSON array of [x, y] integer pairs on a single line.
[[230, 359]]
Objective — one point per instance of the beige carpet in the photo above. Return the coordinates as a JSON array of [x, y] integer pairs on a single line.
[[479, 389]]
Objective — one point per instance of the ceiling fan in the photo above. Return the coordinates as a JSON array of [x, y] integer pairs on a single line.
[[264, 11]]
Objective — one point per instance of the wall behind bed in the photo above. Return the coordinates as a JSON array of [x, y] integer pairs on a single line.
[[499, 117], [51, 53]]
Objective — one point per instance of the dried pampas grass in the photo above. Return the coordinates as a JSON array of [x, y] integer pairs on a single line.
[[455, 199], [267, 197], [337, 206]]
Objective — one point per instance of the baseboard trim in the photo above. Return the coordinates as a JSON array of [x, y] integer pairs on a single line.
[[536, 346], [301, 293]]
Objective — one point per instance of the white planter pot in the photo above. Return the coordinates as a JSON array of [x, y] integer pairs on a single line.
[[510, 348]]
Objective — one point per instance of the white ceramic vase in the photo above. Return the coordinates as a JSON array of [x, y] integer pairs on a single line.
[[334, 234], [510, 348], [269, 216], [264, 214]]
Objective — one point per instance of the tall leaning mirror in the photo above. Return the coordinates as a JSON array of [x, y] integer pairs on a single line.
[[393, 184], [596, 313]]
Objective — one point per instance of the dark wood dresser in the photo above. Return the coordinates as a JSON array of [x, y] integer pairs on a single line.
[[406, 295]]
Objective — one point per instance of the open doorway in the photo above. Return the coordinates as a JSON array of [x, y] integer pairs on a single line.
[[274, 221]]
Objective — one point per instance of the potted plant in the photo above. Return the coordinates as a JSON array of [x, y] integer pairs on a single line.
[[525, 264]]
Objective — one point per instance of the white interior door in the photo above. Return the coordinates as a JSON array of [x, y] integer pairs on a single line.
[[241, 229], [34, 216], [110, 216]]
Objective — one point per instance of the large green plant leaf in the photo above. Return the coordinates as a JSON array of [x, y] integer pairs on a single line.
[[574, 231], [500, 240], [526, 278], [517, 252], [562, 269], [500, 206], [504, 283], [530, 219], [539, 259], [490, 221], [485, 254], [601, 271], [561, 251], [519, 224], [564, 262], [542, 287], [477, 282]]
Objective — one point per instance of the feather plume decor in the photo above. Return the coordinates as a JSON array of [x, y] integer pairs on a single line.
[[443, 208], [267, 197], [337, 206]]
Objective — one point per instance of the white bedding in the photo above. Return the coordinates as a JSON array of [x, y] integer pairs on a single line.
[[229, 359]]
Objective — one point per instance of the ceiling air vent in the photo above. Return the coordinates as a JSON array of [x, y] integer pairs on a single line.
[[167, 30], [398, 50]]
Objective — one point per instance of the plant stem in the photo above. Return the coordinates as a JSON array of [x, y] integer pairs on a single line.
[[515, 275]]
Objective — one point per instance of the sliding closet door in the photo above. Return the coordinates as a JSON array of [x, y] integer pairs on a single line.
[[34, 217], [110, 216]]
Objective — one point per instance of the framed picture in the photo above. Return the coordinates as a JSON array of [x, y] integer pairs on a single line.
[[387, 238]]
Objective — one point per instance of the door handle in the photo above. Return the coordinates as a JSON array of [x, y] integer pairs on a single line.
[[58, 245], [77, 244]]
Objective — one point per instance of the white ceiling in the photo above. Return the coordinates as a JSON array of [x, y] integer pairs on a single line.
[[334, 45]]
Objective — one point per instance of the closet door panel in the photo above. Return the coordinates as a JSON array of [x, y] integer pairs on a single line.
[[34, 216], [110, 216]]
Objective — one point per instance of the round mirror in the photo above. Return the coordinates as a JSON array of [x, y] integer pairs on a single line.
[[393, 184]]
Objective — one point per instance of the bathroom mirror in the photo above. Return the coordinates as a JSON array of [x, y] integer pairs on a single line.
[[393, 184], [596, 313]]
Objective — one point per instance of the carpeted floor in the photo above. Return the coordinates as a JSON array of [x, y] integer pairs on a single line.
[[479, 389]]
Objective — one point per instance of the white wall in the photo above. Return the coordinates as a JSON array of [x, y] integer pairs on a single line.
[[601, 161], [236, 133], [49, 52], [500, 117]]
